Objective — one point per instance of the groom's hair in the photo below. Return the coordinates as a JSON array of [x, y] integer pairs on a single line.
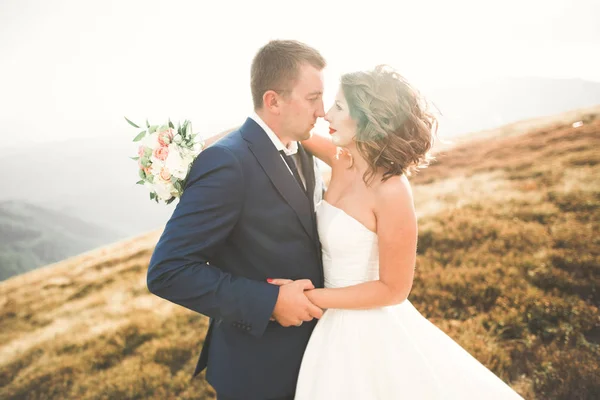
[[276, 67]]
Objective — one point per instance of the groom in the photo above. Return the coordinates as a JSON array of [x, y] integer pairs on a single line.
[[246, 216]]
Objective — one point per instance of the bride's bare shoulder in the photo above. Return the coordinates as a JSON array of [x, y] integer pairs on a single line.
[[393, 193]]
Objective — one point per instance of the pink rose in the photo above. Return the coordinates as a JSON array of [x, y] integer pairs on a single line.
[[141, 151], [161, 153], [165, 174], [166, 137]]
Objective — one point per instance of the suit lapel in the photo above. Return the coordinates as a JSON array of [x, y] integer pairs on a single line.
[[270, 160]]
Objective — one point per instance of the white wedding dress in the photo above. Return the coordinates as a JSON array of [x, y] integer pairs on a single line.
[[386, 353]]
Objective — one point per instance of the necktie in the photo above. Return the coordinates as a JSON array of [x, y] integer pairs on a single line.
[[290, 162]]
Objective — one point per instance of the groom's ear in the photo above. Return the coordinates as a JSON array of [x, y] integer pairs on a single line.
[[271, 101]]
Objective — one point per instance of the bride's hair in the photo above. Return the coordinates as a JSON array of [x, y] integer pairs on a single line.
[[395, 129]]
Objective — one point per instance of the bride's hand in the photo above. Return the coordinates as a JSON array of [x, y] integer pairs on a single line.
[[311, 294], [213, 139], [279, 282]]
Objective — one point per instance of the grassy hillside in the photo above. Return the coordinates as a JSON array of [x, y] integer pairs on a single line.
[[31, 236], [509, 255], [508, 265]]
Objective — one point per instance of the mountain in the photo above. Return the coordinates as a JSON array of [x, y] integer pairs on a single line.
[[487, 104], [93, 179], [508, 265], [31, 236]]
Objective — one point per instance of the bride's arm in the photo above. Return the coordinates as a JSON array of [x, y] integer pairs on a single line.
[[322, 148], [397, 238], [213, 139], [317, 145]]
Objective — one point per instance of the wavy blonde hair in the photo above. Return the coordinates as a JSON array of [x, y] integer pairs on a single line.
[[395, 129]]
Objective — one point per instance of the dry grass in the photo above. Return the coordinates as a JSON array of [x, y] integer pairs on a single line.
[[508, 265], [509, 255], [88, 328]]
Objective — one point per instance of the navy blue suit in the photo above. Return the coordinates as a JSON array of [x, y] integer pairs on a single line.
[[242, 218]]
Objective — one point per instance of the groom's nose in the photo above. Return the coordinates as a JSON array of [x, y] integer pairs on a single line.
[[320, 113]]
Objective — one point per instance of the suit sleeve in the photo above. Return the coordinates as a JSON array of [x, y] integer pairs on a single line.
[[180, 270]]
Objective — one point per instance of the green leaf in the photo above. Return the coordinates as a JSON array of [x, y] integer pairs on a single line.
[[152, 129], [131, 123], [140, 182], [171, 125], [147, 123], [145, 161], [139, 136], [152, 196], [134, 158]]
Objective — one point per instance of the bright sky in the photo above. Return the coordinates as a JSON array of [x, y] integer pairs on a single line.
[[73, 68]]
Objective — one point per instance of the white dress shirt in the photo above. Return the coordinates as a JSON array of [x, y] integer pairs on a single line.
[[291, 150]]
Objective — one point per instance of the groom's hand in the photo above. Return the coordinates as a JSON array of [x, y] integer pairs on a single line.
[[293, 307]]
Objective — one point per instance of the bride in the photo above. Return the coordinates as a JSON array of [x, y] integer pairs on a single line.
[[371, 343]]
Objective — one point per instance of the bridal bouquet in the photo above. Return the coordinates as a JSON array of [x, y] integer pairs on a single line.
[[165, 156]]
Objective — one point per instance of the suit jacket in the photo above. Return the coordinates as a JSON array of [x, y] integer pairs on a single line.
[[241, 219]]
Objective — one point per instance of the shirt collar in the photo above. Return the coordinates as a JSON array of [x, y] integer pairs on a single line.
[[292, 147]]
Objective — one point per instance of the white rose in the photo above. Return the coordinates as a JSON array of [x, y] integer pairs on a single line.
[[179, 174], [157, 166], [177, 139], [163, 189], [197, 148], [175, 163]]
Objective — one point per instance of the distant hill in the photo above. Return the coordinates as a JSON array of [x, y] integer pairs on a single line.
[[519, 128], [508, 265], [32, 236], [491, 103], [94, 179]]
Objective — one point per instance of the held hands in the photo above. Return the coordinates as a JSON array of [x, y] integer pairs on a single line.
[[293, 307]]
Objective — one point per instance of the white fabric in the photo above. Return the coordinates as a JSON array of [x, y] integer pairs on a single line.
[[292, 147], [386, 353], [290, 150]]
